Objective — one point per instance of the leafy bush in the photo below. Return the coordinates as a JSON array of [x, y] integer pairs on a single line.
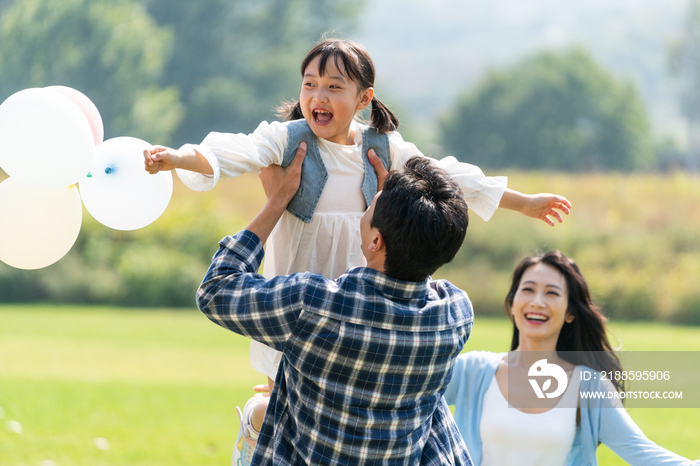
[[635, 237], [553, 110]]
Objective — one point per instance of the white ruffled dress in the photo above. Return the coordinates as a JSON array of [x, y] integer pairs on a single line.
[[330, 243]]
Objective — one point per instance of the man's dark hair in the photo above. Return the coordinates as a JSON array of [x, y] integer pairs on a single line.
[[423, 218]]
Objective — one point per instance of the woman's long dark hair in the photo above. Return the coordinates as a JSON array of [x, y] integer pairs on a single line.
[[354, 60], [584, 340]]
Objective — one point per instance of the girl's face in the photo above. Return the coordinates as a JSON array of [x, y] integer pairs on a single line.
[[329, 102], [540, 306]]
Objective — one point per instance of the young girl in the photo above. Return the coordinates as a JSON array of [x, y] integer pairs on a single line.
[[552, 313], [320, 231]]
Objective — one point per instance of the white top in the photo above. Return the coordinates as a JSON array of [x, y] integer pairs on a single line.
[[330, 243], [510, 436]]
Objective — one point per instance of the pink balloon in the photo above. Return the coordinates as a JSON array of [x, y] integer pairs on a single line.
[[88, 108]]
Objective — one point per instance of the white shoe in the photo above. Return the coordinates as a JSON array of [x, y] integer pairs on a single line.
[[247, 436]]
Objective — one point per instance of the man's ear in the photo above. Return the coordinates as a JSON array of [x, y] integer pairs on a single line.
[[377, 244]]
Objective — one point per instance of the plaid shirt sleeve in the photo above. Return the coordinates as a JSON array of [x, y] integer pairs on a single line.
[[235, 297]]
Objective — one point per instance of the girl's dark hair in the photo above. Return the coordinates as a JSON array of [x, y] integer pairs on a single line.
[[352, 59], [584, 340]]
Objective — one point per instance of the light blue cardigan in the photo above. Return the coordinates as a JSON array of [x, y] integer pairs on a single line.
[[612, 426]]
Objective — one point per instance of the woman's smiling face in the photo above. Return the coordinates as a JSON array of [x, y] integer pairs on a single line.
[[540, 306], [329, 102]]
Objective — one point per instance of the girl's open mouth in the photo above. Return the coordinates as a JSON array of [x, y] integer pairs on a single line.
[[322, 117]]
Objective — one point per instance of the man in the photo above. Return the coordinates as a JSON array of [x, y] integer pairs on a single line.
[[367, 356]]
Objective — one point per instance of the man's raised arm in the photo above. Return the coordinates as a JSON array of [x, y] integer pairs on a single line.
[[232, 293]]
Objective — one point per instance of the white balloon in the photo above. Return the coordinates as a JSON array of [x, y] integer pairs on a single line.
[[38, 226], [119, 192], [45, 139], [87, 107]]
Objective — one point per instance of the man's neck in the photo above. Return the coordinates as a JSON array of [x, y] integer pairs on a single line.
[[376, 262]]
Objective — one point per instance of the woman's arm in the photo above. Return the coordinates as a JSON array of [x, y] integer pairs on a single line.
[[620, 433], [606, 421]]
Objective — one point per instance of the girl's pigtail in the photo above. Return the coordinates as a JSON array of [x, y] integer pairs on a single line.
[[288, 111], [383, 119]]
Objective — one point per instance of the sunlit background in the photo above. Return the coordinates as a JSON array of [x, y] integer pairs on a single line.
[[595, 100]]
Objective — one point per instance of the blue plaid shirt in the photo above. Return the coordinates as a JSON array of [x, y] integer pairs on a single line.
[[366, 359]]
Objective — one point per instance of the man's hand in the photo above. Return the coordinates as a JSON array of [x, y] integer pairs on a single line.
[[280, 185], [283, 182], [378, 167]]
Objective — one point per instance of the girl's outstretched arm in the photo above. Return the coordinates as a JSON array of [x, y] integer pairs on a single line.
[[164, 158], [542, 206]]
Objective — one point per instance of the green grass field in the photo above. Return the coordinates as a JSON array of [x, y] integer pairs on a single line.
[[106, 386]]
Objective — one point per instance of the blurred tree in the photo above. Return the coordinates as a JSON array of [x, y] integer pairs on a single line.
[[111, 50], [554, 110], [235, 60], [684, 60]]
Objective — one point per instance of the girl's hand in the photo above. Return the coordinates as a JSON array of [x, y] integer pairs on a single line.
[[544, 206], [161, 158], [263, 389], [378, 167]]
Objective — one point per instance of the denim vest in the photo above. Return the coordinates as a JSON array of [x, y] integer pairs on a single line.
[[314, 173]]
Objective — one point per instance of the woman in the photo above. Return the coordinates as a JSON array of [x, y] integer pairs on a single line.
[[555, 320]]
